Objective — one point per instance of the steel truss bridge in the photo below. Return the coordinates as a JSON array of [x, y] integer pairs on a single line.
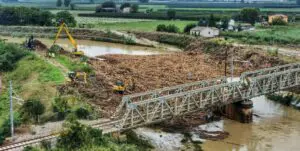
[[163, 104]]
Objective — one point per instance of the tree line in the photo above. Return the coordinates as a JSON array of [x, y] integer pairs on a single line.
[[33, 16]]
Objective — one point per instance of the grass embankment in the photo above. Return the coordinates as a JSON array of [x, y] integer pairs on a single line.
[[32, 78], [278, 35]]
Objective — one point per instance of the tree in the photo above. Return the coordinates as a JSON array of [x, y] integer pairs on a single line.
[[202, 22], [46, 18], [72, 6], [32, 108], [144, 1], [172, 29], [250, 15], [171, 14], [58, 3], [225, 22], [134, 8], [109, 4], [188, 27], [67, 17], [67, 3], [124, 5], [212, 21], [10, 54]]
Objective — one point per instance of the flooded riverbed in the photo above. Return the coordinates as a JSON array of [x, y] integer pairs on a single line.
[[96, 48], [275, 128]]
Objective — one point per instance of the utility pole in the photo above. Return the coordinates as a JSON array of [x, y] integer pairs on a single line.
[[226, 54], [232, 67], [11, 110]]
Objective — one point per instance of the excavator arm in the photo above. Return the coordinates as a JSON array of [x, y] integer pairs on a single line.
[[63, 26]]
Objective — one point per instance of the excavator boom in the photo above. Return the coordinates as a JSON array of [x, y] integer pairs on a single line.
[[64, 27]]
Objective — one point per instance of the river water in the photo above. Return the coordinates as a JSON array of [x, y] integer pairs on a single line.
[[96, 48], [275, 128]]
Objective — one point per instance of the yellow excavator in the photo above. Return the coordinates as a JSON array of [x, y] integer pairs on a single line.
[[76, 76], [64, 26]]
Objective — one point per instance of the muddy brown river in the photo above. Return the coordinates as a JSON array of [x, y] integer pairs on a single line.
[[96, 48], [275, 128]]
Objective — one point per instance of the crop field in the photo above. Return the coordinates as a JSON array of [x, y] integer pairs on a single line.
[[132, 24]]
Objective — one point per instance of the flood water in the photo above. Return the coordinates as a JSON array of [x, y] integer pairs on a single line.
[[277, 128], [96, 48]]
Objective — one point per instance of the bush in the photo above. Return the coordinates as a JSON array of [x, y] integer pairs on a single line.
[[250, 15], [134, 8], [124, 5], [161, 27], [32, 109], [188, 27], [171, 14], [61, 107], [77, 135], [82, 113], [10, 54], [278, 21], [67, 17], [5, 127]]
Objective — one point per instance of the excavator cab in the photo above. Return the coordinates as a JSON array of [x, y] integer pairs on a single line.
[[76, 76], [63, 25], [119, 87]]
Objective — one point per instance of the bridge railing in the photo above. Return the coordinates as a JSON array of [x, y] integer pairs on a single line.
[[165, 107], [166, 91], [246, 76]]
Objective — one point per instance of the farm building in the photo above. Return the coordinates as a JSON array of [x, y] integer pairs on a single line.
[[205, 31], [283, 17]]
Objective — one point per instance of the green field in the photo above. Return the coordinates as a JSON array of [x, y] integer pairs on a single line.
[[138, 25], [279, 35]]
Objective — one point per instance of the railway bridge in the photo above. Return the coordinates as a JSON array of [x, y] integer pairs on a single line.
[[162, 104]]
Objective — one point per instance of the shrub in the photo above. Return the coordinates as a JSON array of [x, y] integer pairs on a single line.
[[67, 17], [171, 14], [188, 27], [5, 127], [61, 107], [32, 109], [10, 54], [82, 113], [124, 5], [161, 27], [172, 29], [250, 15], [134, 8], [77, 135], [278, 21]]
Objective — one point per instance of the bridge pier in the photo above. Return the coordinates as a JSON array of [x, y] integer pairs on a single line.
[[240, 111]]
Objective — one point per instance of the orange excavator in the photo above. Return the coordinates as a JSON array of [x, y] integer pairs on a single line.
[[64, 26]]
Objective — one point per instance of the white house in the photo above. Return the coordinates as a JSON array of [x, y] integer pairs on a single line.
[[205, 31], [126, 10]]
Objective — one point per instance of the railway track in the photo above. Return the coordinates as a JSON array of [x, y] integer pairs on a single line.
[[106, 126]]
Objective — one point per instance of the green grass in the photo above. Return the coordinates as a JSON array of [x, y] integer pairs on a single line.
[[32, 78], [148, 26], [279, 35]]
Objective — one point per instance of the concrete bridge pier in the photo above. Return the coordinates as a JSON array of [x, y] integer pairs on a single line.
[[240, 111]]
